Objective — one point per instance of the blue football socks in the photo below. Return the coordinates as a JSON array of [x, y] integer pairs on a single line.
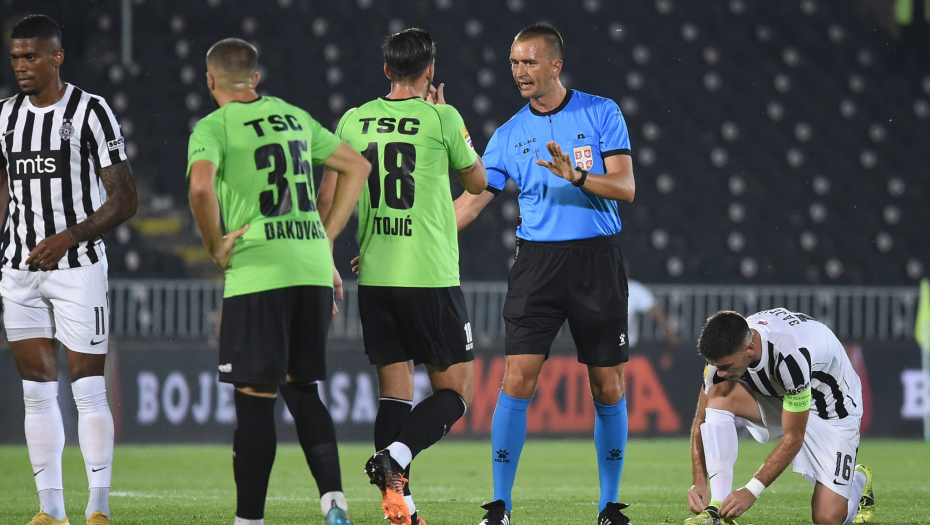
[[610, 433], [508, 434]]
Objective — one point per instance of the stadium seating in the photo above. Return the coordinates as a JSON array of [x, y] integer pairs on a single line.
[[774, 142]]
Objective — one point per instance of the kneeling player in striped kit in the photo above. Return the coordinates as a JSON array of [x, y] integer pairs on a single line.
[[64, 182], [786, 375]]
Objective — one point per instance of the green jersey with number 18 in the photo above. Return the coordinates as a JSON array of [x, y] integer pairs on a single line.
[[263, 151], [406, 222]]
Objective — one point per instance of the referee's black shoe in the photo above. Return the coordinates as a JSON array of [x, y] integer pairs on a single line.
[[497, 513], [387, 475], [611, 515]]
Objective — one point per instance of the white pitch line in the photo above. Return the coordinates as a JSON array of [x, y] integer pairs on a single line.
[[145, 495]]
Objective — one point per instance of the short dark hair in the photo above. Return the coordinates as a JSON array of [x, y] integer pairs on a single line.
[[233, 55], [37, 26], [548, 33], [408, 53], [724, 334]]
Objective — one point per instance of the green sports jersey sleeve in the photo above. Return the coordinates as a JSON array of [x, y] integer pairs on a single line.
[[458, 142], [207, 142], [324, 142]]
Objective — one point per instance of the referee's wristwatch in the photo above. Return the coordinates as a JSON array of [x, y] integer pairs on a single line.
[[584, 175]]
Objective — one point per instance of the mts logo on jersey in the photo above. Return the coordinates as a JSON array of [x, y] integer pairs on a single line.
[[584, 159], [34, 164]]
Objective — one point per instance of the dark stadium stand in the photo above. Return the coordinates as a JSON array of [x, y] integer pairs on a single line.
[[774, 142]]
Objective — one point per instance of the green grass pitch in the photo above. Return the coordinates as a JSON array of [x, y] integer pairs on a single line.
[[556, 484]]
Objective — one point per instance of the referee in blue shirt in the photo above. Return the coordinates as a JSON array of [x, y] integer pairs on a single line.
[[569, 154]]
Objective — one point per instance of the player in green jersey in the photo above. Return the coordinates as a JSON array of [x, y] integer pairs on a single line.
[[251, 161], [411, 306]]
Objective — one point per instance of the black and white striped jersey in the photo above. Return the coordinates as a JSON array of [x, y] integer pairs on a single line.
[[52, 157], [798, 352]]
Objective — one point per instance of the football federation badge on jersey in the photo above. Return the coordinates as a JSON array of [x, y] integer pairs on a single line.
[[467, 137], [66, 131], [584, 159]]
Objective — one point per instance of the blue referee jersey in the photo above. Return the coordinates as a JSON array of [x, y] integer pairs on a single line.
[[588, 127]]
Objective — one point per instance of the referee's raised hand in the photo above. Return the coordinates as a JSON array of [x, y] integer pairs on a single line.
[[561, 164], [221, 257]]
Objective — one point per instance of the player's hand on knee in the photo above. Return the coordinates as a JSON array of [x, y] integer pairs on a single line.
[[221, 257], [46, 254], [737, 503], [697, 498]]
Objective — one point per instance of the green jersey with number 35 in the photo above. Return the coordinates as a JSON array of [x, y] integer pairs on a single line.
[[263, 151], [406, 222]]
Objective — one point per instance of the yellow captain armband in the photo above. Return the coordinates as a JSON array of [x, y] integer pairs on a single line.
[[798, 402]]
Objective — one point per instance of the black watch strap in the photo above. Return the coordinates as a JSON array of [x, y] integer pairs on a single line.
[[584, 175]]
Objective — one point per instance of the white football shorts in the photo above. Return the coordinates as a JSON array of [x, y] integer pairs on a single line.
[[828, 454], [70, 305]]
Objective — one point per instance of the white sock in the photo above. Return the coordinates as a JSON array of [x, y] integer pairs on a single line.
[[411, 508], [243, 521], [52, 502], [95, 434], [45, 439], [99, 501], [333, 499], [401, 453], [720, 451], [855, 494]]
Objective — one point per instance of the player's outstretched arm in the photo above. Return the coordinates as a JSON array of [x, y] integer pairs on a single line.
[[468, 206], [794, 425], [352, 170], [616, 184], [120, 205], [697, 494], [474, 178]]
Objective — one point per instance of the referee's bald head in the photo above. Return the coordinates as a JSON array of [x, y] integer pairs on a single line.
[[233, 62]]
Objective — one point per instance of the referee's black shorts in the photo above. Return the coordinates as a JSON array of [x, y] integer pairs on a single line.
[[267, 336], [426, 325], [583, 281]]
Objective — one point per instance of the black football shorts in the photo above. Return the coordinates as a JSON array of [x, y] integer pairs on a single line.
[[426, 325], [583, 281], [267, 336]]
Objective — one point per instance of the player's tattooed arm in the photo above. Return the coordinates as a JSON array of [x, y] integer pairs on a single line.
[[474, 178], [120, 205]]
